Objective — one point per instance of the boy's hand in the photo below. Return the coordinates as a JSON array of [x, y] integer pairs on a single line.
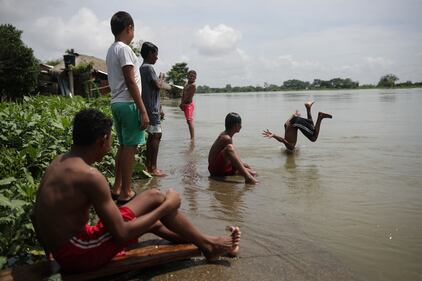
[[181, 106], [173, 199], [144, 120], [162, 115], [267, 134]]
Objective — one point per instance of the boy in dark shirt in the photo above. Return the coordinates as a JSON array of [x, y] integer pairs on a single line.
[[151, 85]]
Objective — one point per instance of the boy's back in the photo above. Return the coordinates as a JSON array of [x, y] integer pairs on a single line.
[[62, 202], [219, 144]]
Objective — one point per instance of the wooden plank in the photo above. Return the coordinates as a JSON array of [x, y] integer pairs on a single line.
[[134, 259]]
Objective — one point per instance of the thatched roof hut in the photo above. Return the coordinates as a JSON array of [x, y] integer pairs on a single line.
[[97, 64]]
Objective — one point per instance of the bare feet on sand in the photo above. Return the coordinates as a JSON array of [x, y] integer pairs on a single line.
[[157, 173], [219, 246], [324, 115], [309, 104]]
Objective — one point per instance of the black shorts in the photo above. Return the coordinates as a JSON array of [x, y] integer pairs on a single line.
[[306, 126]]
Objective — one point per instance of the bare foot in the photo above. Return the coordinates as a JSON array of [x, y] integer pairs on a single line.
[[324, 115], [158, 173], [235, 252], [309, 104], [223, 245]]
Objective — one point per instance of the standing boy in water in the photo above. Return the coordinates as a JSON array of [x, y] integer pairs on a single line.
[[129, 113], [71, 186], [295, 122], [223, 159], [186, 103], [151, 85]]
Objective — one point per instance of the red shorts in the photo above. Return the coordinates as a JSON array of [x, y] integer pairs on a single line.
[[219, 167], [188, 110], [92, 248]]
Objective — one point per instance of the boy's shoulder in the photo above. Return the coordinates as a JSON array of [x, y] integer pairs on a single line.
[[224, 137], [190, 87], [146, 67], [118, 47]]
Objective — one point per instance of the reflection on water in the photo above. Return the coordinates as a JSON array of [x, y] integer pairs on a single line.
[[190, 177], [228, 195], [387, 97], [290, 159], [350, 200]]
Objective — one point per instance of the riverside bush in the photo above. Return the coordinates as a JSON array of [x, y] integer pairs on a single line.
[[32, 134]]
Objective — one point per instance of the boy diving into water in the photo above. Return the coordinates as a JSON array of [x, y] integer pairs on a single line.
[[295, 122]]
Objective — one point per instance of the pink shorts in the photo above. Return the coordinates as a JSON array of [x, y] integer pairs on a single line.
[[92, 248], [188, 109]]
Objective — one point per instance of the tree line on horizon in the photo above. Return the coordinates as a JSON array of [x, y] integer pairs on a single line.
[[386, 81]]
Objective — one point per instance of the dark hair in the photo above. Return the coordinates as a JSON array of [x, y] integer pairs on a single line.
[[192, 71], [89, 125], [231, 120], [146, 48], [119, 21]]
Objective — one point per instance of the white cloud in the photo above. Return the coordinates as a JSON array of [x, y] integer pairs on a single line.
[[84, 32], [217, 41], [378, 62], [288, 60]]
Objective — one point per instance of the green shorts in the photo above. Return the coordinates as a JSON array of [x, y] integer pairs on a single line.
[[127, 123]]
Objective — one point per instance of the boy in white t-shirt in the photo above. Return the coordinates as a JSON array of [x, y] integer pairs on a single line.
[[129, 113]]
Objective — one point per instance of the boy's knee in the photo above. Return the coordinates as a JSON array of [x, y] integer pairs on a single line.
[[155, 195]]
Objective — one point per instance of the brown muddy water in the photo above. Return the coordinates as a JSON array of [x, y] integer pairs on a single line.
[[348, 207]]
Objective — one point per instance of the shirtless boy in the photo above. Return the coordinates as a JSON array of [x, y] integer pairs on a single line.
[[223, 159], [71, 186], [186, 103], [295, 122]]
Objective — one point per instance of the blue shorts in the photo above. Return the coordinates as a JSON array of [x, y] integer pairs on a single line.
[[127, 123]]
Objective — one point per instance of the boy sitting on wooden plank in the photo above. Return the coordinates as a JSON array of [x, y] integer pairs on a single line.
[[71, 186]]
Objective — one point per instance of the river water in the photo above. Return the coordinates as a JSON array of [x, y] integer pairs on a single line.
[[347, 207]]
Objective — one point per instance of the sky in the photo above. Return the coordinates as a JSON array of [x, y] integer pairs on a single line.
[[239, 42]]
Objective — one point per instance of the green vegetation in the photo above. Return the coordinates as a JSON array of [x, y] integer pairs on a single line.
[[32, 134], [177, 76], [386, 81], [53, 62], [19, 68], [136, 47]]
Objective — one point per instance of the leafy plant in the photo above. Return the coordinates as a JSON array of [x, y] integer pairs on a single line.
[[32, 134]]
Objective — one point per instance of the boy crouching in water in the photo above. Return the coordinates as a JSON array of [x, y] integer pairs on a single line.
[[71, 186], [223, 159]]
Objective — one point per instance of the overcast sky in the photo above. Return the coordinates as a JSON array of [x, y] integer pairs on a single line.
[[240, 42]]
